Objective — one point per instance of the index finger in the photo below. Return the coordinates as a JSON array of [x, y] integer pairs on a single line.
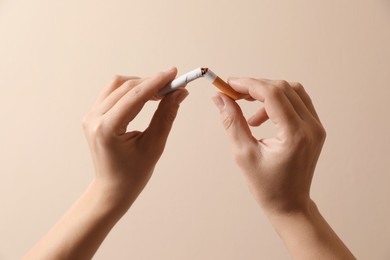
[[277, 105], [130, 104]]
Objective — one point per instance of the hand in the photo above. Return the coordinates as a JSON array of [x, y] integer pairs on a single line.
[[279, 170], [124, 160]]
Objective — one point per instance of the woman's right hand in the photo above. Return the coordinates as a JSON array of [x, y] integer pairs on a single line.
[[279, 170]]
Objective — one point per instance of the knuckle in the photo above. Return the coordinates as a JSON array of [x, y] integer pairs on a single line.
[[136, 91], [297, 86], [324, 134], [301, 137], [130, 83], [116, 79], [275, 92], [134, 80], [98, 131], [308, 136], [170, 117], [85, 121], [227, 121], [320, 133], [283, 84]]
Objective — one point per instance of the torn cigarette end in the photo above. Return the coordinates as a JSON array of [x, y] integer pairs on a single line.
[[184, 79]]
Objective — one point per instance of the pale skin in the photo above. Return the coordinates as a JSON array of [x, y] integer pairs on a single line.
[[279, 170]]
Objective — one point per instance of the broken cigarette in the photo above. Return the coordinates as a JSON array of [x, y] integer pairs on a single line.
[[184, 79]]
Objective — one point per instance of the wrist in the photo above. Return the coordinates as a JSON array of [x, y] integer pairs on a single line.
[[307, 235], [304, 206], [111, 198]]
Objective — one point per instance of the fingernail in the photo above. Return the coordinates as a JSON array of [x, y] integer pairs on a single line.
[[218, 101], [169, 69]]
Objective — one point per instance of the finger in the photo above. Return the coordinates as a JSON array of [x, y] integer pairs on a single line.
[[294, 99], [249, 98], [300, 90], [258, 118], [156, 134], [276, 104], [234, 122], [117, 94], [116, 82], [125, 109]]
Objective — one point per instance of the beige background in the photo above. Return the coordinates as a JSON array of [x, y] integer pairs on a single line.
[[55, 56]]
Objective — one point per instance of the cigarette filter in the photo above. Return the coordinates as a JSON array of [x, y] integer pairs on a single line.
[[222, 85], [184, 79]]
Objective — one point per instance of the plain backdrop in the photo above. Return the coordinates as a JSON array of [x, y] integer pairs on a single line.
[[55, 56]]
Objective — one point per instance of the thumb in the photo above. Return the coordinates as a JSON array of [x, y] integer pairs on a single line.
[[158, 130], [234, 123]]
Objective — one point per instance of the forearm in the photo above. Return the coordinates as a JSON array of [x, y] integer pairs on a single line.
[[79, 233], [307, 235]]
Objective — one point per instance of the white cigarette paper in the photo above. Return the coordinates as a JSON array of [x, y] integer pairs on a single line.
[[181, 81], [184, 79]]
